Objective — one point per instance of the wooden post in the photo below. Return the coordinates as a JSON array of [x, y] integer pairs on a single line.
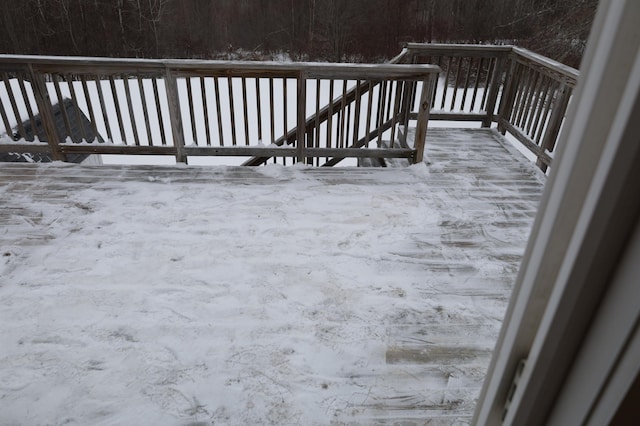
[[44, 107], [423, 117], [494, 88], [508, 95], [555, 122], [174, 116], [301, 116]]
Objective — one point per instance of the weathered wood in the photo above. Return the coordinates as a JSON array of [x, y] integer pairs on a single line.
[[103, 109], [194, 134], [555, 122], [92, 115], [101, 148], [232, 111], [132, 115], [14, 106], [216, 89], [27, 102], [156, 98], [205, 107], [543, 157], [5, 119], [476, 86], [65, 116], [76, 108], [44, 107], [259, 109], [423, 119], [145, 110], [491, 90], [171, 86], [33, 147], [245, 118], [114, 94], [301, 86]]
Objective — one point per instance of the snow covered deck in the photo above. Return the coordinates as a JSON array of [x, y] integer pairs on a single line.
[[186, 295]]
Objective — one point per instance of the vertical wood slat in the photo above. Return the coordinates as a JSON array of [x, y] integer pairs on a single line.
[[116, 101], [409, 104], [103, 108], [553, 89], [508, 95], [423, 118], [491, 91], [76, 108], [46, 115], [330, 117], [245, 111], [343, 106], [272, 111], [232, 111], [259, 109], [396, 111], [194, 133], [542, 99], [381, 107], [145, 111], [476, 86], [526, 103], [27, 102], [132, 116], [533, 105], [285, 106], [92, 115], [555, 122], [455, 84], [63, 110], [317, 121], [14, 107], [446, 83], [156, 97], [5, 121], [205, 110], [175, 116], [216, 89], [301, 117], [492, 69], [466, 84], [522, 88], [356, 124], [367, 131]]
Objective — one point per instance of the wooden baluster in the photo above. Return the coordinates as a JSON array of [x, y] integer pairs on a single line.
[[116, 101], [92, 115], [205, 110], [103, 108], [216, 89], [145, 111], [27, 102], [156, 97]]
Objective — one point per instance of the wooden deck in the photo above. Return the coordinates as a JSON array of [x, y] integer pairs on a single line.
[[443, 279]]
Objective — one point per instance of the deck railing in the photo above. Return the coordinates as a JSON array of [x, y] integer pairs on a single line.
[[526, 94], [301, 111]]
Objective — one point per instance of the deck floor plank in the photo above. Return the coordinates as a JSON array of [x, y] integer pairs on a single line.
[[426, 301]]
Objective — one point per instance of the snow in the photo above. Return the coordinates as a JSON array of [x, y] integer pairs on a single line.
[[244, 296]]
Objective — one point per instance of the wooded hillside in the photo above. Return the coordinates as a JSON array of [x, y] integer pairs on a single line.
[[334, 30]]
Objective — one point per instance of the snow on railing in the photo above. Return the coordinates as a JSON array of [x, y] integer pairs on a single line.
[[302, 111]]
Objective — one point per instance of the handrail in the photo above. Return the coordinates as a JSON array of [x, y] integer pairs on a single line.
[[174, 107]]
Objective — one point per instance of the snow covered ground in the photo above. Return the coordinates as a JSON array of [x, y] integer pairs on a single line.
[[193, 295]]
